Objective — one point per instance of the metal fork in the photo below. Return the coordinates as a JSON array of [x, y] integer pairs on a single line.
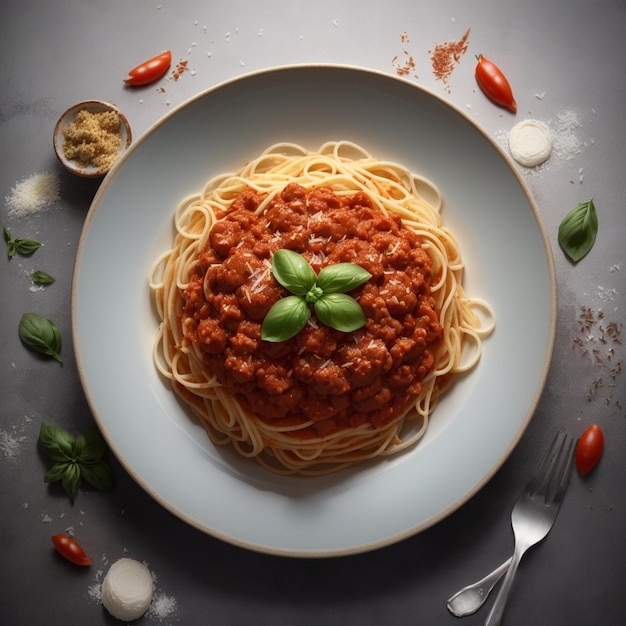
[[535, 512], [469, 599]]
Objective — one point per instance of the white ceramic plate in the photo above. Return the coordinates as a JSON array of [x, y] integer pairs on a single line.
[[474, 428]]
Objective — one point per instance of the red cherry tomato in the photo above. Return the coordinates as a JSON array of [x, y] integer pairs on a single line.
[[589, 449], [150, 70], [68, 548], [494, 84]]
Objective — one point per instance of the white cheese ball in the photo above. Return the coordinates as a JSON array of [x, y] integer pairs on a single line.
[[530, 143], [127, 589]]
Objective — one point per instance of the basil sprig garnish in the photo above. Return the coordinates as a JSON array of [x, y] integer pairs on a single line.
[[577, 231], [41, 335], [76, 460], [19, 245], [42, 278], [326, 292]]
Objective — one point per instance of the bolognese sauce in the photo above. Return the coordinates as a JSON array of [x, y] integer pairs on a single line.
[[324, 376]]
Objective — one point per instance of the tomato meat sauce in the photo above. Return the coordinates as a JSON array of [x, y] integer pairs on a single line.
[[333, 379]]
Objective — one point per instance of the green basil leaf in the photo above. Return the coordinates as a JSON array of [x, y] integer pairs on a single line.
[[70, 480], [340, 311], [8, 239], [342, 277], [292, 271], [58, 443], [56, 472], [577, 231], [40, 334], [41, 278], [19, 245], [26, 246], [285, 319], [98, 475], [90, 447], [77, 448]]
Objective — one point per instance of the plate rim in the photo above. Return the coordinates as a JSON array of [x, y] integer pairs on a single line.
[[545, 361]]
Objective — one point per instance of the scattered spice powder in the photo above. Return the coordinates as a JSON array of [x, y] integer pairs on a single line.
[[180, 69], [93, 139], [406, 64], [446, 56], [597, 340]]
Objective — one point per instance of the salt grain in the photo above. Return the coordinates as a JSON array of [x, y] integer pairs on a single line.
[[162, 607], [566, 143], [33, 194], [10, 444], [13, 438], [95, 590]]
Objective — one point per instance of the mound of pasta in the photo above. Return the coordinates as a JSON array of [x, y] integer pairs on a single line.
[[322, 399]]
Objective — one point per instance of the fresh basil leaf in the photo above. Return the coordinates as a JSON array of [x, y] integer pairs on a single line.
[[42, 278], [341, 277], [313, 294], [19, 245], [326, 292], [90, 447], [8, 239], [26, 246], [56, 472], [40, 334], [58, 443], [285, 319], [99, 475], [70, 480], [292, 271], [77, 447], [76, 459], [340, 311], [577, 231]]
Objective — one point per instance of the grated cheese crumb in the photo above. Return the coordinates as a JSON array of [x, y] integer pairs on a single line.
[[33, 194]]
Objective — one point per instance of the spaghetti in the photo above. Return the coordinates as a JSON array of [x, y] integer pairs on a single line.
[[324, 399]]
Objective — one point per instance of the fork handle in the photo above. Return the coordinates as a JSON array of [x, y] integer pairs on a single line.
[[497, 610]]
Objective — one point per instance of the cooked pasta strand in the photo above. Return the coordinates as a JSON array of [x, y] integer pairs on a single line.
[[290, 447]]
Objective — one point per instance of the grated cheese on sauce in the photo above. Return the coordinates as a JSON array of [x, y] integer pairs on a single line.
[[33, 194]]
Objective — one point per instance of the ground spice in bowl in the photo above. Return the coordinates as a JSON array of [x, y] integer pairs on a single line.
[[93, 139], [90, 137]]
